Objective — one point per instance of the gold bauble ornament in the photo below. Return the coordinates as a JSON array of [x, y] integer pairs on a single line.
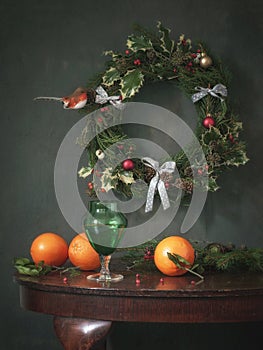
[[205, 61]]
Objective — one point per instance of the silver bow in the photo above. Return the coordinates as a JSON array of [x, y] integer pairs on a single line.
[[102, 97], [157, 182], [217, 90]]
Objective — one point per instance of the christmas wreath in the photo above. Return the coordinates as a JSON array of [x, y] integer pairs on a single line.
[[151, 57]]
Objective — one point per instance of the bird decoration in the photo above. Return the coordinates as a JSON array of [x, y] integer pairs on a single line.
[[78, 99]]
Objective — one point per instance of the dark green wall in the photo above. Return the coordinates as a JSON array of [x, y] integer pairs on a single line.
[[51, 47]]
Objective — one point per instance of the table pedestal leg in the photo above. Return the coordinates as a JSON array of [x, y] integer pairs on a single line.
[[81, 334]]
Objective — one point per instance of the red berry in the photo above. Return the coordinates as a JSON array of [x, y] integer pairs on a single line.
[[162, 280], [137, 281], [127, 52], [137, 62], [103, 190], [167, 185], [193, 283], [231, 138], [190, 64], [194, 55], [200, 171], [100, 120], [65, 280]]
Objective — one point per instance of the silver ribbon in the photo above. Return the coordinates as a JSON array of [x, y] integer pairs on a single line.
[[157, 182], [218, 91], [102, 97]]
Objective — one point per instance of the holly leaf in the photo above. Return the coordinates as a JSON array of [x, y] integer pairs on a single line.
[[137, 43], [85, 172], [111, 53], [110, 76], [166, 43], [212, 185], [239, 157], [127, 177], [131, 83], [108, 180]]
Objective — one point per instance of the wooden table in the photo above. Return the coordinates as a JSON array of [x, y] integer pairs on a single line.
[[84, 310]]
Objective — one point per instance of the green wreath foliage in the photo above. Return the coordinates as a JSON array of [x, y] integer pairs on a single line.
[[152, 56]]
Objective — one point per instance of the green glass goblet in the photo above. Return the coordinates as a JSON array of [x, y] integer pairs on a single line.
[[104, 227]]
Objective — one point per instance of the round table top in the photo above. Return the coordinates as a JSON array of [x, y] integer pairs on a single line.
[[221, 297]]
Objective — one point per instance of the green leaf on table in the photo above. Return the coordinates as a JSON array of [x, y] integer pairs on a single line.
[[21, 261], [27, 267], [137, 43], [131, 83]]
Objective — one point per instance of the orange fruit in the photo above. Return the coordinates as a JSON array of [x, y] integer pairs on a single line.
[[50, 248], [177, 245], [82, 254]]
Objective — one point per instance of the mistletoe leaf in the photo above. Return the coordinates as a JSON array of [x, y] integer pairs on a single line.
[[137, 43], [131, 83], [166, 43], [110, 76]]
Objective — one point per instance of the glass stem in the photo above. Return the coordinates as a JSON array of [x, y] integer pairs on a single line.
[[105, 271]]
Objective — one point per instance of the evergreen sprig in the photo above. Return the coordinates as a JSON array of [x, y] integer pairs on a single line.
[[209, 257]]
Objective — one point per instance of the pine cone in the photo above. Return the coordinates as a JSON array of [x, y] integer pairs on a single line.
[[91, 95], [185, 185], [166, 177], [188, 172], [121, 64], [214, 158], [151, 55], [149, 174]]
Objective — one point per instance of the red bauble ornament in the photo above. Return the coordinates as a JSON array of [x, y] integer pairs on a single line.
[[128, 164], [208, 121]]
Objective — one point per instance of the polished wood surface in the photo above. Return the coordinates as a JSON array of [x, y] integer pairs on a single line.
[[222, 297], [84, 310]]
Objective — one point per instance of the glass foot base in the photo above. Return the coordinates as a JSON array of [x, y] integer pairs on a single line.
[[104, 278]]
